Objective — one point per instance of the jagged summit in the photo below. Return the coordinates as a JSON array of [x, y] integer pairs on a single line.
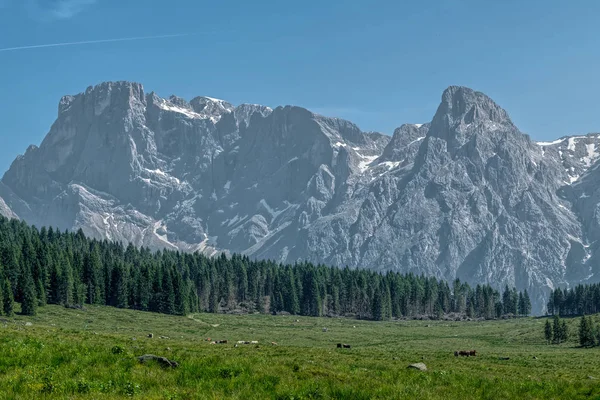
[[463, 111], [469, 106], [467, 195]]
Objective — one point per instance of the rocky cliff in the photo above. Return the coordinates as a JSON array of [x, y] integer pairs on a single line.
[[466, 195]]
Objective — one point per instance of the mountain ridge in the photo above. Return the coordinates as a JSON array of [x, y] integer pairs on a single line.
[[466, 195]]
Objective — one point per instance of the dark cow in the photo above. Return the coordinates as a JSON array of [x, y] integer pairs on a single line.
[[339, 345], [465, 353], [346, 346]]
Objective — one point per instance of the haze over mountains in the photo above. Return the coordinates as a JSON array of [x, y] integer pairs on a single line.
[[466, 195]]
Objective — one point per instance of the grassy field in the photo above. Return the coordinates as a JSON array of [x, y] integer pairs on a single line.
[[65, 353]]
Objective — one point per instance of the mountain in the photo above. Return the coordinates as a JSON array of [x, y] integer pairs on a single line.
[[466, 195]]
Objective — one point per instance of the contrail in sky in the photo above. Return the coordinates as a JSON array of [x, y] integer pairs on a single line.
[[129, 39]]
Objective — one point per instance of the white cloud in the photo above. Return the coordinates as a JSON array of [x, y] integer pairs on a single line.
[[57, 9]]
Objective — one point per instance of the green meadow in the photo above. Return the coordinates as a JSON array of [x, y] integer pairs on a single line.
[[68, 354]]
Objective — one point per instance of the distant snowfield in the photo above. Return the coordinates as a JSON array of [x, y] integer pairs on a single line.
[[577, 153]]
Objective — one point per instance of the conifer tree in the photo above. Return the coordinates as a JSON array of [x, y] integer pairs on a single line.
[[213, 304], [335, 300], [521, 304], [168, 306], [8, 301], [193, 297], [548, 331], [92, 268], [312, 302], [144, 287], [40, 292], [260, 303], [1, 296], [387, 301], [550, 305], [122, 287], [526, 303], [9, 258], [80, 293], [292, 303], [499, 309], [242, 282], [564, 331], [181, 295], [507, 300], [378, 307], [29, 302], [586, 332], [66, 283], [470, 309], [557, 334]]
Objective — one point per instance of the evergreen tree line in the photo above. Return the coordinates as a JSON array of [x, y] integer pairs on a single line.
[[589, 335], [557, 332], [44, 266], [580, 300]]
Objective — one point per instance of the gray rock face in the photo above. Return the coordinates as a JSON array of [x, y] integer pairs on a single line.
[[5, 210], [467, 195]]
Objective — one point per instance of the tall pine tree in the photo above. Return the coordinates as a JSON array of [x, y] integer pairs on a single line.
[[586, 332], [548, 331], [8, 302], [29, 302]]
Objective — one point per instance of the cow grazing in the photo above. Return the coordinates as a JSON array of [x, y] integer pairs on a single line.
[[254, 342], [222, 342], [339, 345], [274, 343], [465, 353], [346, 346]]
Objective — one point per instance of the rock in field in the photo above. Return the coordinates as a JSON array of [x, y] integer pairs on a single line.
[[419, 366], [163, 361]]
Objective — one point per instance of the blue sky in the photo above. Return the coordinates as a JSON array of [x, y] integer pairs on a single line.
[[377, 63]]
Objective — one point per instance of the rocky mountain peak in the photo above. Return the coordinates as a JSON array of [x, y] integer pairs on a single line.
[[468, 105], [405, 142], [464, 111], [179, 102], [244, 112], [212, 106]]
